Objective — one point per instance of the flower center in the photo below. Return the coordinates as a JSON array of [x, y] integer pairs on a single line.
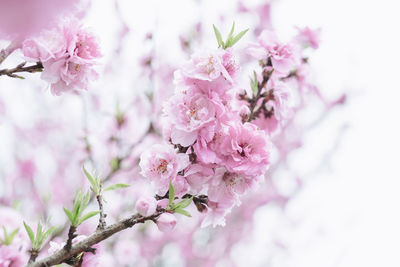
[[162, 166], [210, 66]]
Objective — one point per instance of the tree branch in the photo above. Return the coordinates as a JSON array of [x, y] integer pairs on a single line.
[[38, 67], [86, 245], [102, 218], [4, 53]]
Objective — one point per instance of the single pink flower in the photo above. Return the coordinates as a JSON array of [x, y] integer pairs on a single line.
[[161, 163], [209, 65], [244, 149], [309, 37], [146, 206], [225, 186], [68, 54], [282, 56], [187, 114], [166, 222]]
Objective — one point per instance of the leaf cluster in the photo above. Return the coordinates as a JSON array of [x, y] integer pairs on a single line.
[[41, 234], [8, 237], [180, 206], [81, 202], [231, 39], [97, 184], [254, 84]]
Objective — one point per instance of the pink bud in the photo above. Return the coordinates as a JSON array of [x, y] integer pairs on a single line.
[[163, 203], [146, 206], [166, 222]]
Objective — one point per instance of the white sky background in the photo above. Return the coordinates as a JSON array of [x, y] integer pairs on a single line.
[[347, 214]]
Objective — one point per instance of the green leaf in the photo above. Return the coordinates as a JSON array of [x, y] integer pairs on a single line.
[[88, 215], [10, 237], [85, 202], [183, 212], [116, 186], [46, 234], [230, 36], [218, 36], [254, 84], [30, 233], [90, 177], [238, 37], [69, 215], [171, 195], [77, 204], [114, 163], [4, 234], [39, 233], [184, 203]]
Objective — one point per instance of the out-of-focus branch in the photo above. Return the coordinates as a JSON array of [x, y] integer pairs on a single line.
[[86, 244], [38, 67], [4, 53]]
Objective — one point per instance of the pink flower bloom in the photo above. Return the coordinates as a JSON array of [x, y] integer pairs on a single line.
[[197, 175], [146, 206], [209, 65], [126, 252], [245, 149], [163, 203], [68, 54], [309, 37], [12, 256], [166, 222], [216, 213], [282, 56], [161, 163], [225, 186], [231, 63], [186, 115]]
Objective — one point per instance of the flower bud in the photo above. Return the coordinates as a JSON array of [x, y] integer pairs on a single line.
[[166, 222], [146, 206]]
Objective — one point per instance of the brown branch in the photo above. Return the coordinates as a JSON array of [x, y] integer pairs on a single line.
[[4, 53], [38, 67], [253, 101], [86, 244], [33, 255], [71, 236], [102, 218]]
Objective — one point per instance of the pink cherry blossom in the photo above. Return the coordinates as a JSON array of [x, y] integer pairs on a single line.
[[166, 222], [187, 114], [12, 256], [68, 54], [282, 55], [161, 163], [309, 37], [226, 186], [209, 65], [146, 206], [245, 149]]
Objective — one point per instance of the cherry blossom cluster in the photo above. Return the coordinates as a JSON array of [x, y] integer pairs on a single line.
[[67, 53], [217, 138]]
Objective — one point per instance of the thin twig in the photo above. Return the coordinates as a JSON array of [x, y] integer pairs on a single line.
[[4, 53], [86, 244], [102, 221], [38, 67], [71, 236], [33, 255]]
